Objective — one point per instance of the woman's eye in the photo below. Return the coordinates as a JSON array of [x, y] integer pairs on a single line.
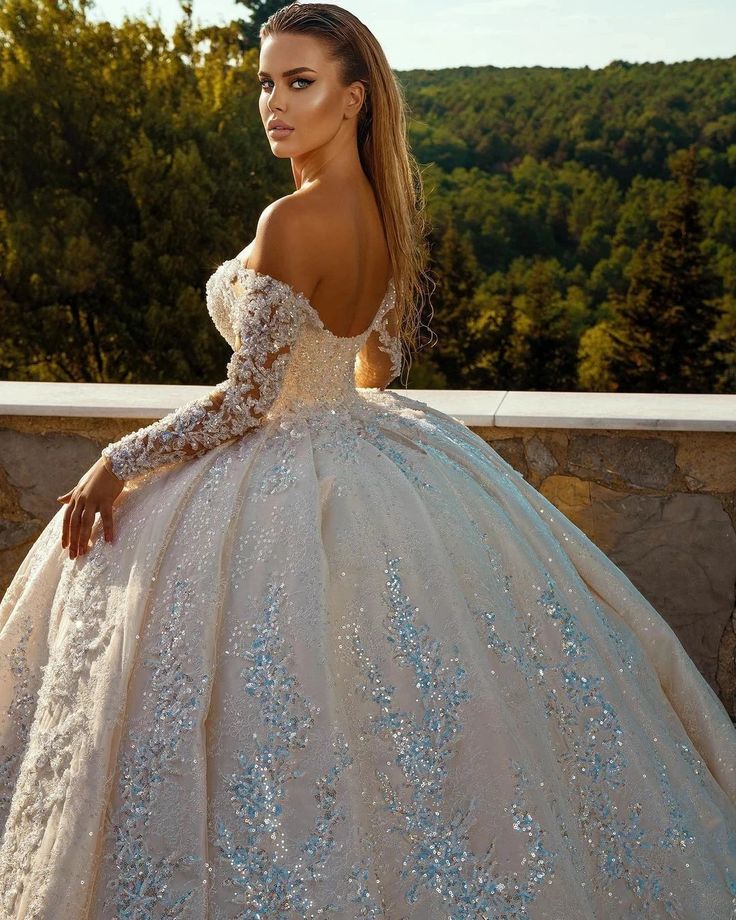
[[298, 80]]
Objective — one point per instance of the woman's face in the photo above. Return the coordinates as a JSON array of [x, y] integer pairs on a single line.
[[310, 100]]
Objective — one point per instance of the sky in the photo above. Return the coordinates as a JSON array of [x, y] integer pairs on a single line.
[[505, 33]]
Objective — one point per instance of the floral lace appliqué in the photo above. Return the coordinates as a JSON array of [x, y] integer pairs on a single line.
[[267, 321]]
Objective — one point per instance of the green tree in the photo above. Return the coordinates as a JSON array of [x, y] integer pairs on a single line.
[[458, 276], [260, 10], [134, 163], [494, 328], [662, 334], [113, 213], [542, 350], [593, 351]]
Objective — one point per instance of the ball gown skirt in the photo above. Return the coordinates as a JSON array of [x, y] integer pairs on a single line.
[[351, 664]]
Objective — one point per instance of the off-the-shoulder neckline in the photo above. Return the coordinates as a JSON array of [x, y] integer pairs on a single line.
[[302, 297]]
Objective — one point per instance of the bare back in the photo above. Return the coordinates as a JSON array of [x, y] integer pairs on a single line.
[[348, 252]]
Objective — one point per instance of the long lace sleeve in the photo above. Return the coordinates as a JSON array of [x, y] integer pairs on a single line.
[[261, 318]]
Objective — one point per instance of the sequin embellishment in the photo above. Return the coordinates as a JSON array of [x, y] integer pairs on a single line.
[[265, 319], [141, 884], [439, 860], [593, 757], [20, 712], [268, 321], [251, 842]]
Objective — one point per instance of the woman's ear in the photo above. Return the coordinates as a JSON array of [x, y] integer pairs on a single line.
[[356, 98]]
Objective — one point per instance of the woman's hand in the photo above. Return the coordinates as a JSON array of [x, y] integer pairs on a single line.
[[95, 491]]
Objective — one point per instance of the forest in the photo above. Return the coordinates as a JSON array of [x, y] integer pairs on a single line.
[[583, 221]]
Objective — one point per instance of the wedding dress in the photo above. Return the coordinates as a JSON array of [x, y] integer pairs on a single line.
[[343, 660]]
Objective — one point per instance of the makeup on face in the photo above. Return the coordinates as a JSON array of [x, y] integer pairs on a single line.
[[302, 99]]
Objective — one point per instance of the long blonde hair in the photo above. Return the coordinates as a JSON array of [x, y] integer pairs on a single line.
[[382, 144]]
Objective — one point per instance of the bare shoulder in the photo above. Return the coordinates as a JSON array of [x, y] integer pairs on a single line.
[[288, 242]]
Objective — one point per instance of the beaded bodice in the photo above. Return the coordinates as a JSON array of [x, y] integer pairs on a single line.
[[321, 366], [284, 362]]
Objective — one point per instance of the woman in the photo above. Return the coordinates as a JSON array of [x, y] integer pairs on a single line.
[[335, 655]]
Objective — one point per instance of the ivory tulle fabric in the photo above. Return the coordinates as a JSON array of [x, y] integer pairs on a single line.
[[351, 664]]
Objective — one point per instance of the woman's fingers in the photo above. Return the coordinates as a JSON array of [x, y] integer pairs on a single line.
[[74, 525], [65, 525], [95, 492], [85, 529], [106, 515]]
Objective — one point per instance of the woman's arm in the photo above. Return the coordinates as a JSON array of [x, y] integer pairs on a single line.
[[266, 321]]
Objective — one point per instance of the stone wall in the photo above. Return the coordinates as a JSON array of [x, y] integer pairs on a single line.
[[660, 504]]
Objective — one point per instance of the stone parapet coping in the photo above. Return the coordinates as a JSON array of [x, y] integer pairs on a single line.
[[492, 408]]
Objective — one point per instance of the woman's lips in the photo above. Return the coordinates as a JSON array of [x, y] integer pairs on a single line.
[[279, 132]]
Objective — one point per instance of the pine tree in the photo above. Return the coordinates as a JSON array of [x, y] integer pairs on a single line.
[[542, 350], [260, 10], [493, 367], [662, 329], [458, 276]]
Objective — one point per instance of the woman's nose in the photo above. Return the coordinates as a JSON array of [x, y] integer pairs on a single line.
[[274, 99]]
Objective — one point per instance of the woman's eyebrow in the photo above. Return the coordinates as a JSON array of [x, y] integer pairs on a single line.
[[286, 73]]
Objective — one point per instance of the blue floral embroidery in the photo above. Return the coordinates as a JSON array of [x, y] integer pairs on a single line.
[[140, 886], [267, 886], [439, 859], [594, 760]]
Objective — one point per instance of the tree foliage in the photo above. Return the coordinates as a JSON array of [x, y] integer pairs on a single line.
[[131, 165], [662, 339], [259, 11], [584, 220]]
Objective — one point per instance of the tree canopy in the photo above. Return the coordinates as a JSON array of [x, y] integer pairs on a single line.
[[584, 221]]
